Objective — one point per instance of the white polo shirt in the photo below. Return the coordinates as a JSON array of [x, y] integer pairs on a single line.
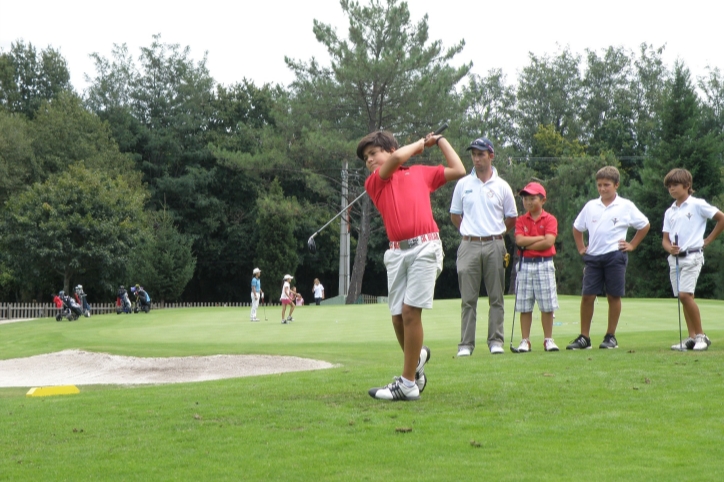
[[689, 222], [606, 225], [483, 205]]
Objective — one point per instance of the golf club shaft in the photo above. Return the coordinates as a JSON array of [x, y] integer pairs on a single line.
[[437, 132], [512, 328], [678, 294], [338, 214]]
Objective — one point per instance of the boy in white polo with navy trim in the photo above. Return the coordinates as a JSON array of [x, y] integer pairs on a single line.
[[685, 221], [483, 209], [607, 219]]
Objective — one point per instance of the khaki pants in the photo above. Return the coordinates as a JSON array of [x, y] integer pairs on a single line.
[[481, 260]]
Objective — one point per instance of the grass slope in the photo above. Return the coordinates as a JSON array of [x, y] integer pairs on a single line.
[[641, 412]]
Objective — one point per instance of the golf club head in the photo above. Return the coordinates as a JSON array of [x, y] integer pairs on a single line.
[[679, 348], [512, 349], [311, 245]]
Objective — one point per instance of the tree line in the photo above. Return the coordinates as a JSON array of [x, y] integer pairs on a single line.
[[158, 174]]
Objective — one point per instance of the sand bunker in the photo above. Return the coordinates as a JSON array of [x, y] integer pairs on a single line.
[[76, 367]]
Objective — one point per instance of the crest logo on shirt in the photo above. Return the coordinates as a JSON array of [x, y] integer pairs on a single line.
[[614, 221], [490, 194], [688, 215]]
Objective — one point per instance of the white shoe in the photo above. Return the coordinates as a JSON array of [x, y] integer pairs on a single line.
[[464, 351], [550, 345], [496, 349], [524, 346], [396, 391], [701, 344], [687, 344]]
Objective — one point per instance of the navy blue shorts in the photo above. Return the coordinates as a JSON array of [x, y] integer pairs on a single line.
[[605, 271]]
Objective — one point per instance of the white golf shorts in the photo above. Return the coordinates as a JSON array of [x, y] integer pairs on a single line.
[[689, 269], [411, 275]]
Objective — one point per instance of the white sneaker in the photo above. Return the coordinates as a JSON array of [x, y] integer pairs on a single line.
[[395, 391], [550, 345], [524, 346], [701, 343], [464, 351], [496, 349], [687, 344], [420, 377]]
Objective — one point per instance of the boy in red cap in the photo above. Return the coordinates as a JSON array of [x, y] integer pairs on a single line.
[[535, 234]]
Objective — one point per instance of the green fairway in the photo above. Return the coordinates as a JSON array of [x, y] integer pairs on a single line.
[[641, 412]]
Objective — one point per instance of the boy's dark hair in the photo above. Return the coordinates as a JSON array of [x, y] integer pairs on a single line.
[[382, 139], [610, 173], [680, 176]]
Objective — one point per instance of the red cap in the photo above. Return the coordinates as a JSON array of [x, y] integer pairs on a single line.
[[533, 188]]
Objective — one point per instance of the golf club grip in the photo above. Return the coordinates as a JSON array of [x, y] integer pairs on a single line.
[[441, 129], [676, 240]]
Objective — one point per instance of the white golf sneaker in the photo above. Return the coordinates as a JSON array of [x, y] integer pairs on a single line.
[[687, 344], [701, 343], [496, 349], [524, 346], [550, 345], [464, 351]]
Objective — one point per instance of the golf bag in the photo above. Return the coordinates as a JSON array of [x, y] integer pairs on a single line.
[[81, 298], [71, 309], [143, 301], [123, 303]]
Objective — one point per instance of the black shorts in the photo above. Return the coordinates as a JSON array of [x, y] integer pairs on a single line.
[[605, 271]]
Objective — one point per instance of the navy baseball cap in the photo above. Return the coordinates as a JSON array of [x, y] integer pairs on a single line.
[[481, 144]]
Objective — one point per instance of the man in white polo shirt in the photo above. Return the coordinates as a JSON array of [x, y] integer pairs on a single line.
[[483, 209]]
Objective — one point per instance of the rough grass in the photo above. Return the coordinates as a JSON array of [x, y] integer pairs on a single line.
[[641, 412]]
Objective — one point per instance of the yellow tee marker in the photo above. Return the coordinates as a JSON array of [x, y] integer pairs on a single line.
[[47, 391]]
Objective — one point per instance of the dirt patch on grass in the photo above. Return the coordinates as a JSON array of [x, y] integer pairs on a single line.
[[77, 367]]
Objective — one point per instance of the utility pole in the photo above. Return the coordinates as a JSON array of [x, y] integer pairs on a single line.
[[344, 237]]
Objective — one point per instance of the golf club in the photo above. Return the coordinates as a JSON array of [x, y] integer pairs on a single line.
[[678, 295], [264, 304], [310, 242], [512, 328]]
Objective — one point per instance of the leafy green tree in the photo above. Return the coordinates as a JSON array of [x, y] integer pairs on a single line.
[[550, 92], [608, 116], [164, 263], [64, 132], [276, 249], [384, 75], [18, 166], [80, 223], [28, 77], [490, 109], [685, 141]]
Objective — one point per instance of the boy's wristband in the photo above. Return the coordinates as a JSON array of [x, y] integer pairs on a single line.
[[437, 142]]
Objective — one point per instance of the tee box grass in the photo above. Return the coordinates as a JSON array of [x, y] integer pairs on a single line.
[[640, 412]]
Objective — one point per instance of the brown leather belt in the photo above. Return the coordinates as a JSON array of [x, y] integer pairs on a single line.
[[482, 238], [411, 243]]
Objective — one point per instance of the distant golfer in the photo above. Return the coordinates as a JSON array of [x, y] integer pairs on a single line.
[[318, 290], [288, 298], [606, 219], [536, 231], [414, 260], [256, 293], [686, 218]]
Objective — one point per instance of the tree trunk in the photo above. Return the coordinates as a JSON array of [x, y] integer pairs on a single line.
[[360, 256]]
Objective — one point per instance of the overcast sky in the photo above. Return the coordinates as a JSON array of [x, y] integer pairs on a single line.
[[249, 39]]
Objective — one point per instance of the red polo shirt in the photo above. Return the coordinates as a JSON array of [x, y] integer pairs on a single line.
[[545, 224], [403, 200]]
